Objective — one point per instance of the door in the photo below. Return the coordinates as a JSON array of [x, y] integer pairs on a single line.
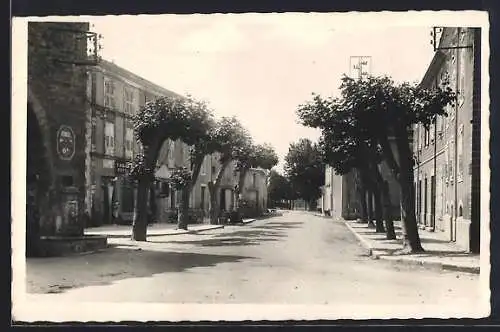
[[419, 202], [223, 200], [433, 202], [202, 202], [425, 202]]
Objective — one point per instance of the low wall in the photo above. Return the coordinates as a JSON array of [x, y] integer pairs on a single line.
[[62, 246]]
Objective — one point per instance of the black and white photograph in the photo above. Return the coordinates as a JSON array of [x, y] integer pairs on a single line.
[[252, 166]]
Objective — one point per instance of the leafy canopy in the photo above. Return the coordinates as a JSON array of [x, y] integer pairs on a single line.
[[367, 113], [172, 117], [257, 156], [230, 138], [305, 168], [280, 187]]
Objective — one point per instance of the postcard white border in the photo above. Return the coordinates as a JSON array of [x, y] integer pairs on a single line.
[[26, 309]]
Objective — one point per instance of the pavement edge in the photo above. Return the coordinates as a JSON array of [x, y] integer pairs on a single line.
[[364, 243], [377, 254]]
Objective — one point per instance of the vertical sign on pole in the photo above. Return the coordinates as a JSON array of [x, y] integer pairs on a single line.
[[360, 67]]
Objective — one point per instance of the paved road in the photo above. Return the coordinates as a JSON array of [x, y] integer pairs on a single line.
[[296, 258]]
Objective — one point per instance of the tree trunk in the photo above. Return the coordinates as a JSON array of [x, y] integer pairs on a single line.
[[379, 222], [183, 211], [239, 188], [214, 206], [152, 202], [364, 208], [369, 207], [389, 224], [411, 238], [139, 227], [213, 187]]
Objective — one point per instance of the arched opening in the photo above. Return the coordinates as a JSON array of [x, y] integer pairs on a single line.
[[37, 181]]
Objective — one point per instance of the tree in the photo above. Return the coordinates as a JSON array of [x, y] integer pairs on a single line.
[[170, 117], [279, 190], [231, 140], [383, 110], [253, 156], [305, 168]]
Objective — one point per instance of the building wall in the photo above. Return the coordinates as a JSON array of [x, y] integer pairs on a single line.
[[445, 150], [57, 96], [255, 188], [101, 171], [102, 174]]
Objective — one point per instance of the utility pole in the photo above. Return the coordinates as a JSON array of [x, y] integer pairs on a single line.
[[360, 66]]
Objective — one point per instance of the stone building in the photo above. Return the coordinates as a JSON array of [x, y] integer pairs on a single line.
[[116, 94], [254, 189], [58, 62], [341, 199], [448, 153]]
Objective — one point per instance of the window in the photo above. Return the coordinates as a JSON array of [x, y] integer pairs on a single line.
[[460, 142], [93, 134], [431, 131], [446, 167], [419, 138], [171, 154], [461, 93], [426, 136], [254, 178], [109, 138], [203, 169], [129, 101], [129, 137], [109, 94]]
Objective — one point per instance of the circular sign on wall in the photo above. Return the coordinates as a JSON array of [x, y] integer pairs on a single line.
[[65, 142]]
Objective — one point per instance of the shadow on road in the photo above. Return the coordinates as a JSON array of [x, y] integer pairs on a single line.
[[253, 233], [283, 224], [58, 274], [224, 242]]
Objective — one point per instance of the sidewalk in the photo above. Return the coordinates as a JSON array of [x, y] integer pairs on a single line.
[[438, 251], [162, 229]]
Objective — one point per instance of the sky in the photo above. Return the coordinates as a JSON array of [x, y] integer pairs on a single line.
[[260, 67]]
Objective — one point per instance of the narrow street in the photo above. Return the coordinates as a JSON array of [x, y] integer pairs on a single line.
[[296, 258]]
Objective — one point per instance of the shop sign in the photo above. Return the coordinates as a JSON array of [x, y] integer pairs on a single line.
[[65, 143], [122, 167]]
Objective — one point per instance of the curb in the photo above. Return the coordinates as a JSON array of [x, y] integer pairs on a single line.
[[362, 240], [194, 231], [377, 254]]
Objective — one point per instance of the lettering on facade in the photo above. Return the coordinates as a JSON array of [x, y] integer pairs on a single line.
[[122, 167], [65, 142]]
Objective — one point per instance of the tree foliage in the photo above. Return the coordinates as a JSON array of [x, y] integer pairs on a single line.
[[168, 117], [279, 188], [305, 168], [358, 126], [180, 178]]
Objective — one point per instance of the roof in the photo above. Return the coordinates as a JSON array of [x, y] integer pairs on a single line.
[[152, 87], [433, 69]]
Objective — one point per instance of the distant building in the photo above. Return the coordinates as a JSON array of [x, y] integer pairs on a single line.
[[448, 153], [342, 200]]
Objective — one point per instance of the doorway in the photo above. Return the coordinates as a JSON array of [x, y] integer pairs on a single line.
[[202, 202], [37, 176], [223, 200], [425, 202], [433, 202]]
